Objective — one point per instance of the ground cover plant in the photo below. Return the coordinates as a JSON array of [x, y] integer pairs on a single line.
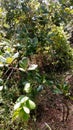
[[36, 63]]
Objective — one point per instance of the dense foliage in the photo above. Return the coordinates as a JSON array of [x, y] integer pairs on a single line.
[[34, 41]]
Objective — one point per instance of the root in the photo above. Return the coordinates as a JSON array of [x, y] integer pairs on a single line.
[[65, 111]]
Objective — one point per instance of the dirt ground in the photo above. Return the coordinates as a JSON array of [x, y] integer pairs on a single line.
[[55, 112], [55, 115]]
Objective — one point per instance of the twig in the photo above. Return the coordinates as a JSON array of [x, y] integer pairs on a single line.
[[49, 128]]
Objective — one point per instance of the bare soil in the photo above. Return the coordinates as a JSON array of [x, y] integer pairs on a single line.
[[55, 112]]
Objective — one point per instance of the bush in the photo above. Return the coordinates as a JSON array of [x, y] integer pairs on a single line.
[[33, 37]]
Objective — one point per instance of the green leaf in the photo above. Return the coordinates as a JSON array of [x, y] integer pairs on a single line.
[[7, 54], [9, 60], [21, 69], [16, 55], [16, 113], [2, 59], [35, 41], [30, 104], [6, 25], [57, 91], [1, 81], [32, 67], [26, 109], [17, 105], [20, 98], [1, 65], [27, 88], [24, 115], [1, 88], [24, 63], [40, 88], [24, 99]]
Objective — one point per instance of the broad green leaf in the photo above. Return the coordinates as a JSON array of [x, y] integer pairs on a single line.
[[35, 40], [1, 82], [16, 113], [71, 11], [16, 55], [27, 88], [26, 109], [24, 63], [2, 59], [19, 99], [40, 88], [21, 69], [31, 105], [9, 60], [24, 99], [1, 64], [9, 49], [24, 115], [17, 105], [57, 91], [1, 88], [7, 54], [32, 67], [6, 25]]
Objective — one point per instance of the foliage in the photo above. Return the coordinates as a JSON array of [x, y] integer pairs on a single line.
[[33, 28], [22, 108], [17, 72]]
